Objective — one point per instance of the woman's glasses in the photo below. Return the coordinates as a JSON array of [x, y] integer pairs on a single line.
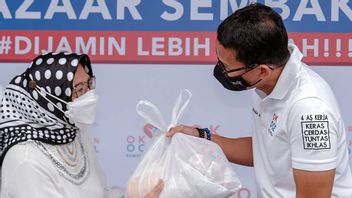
[[82, 87]]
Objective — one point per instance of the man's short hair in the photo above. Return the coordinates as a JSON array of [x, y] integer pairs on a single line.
[[258, 35]]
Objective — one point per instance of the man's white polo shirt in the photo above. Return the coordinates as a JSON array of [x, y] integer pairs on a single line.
[[298, 125]]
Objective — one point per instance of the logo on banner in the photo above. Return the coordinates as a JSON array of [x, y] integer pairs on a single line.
[[243, 193], [315, 132], [135, 144]]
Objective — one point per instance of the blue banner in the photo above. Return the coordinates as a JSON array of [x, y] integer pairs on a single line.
[[165, 15]]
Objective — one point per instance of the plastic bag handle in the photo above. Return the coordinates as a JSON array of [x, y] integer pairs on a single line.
[[178, 110], [159, 122]]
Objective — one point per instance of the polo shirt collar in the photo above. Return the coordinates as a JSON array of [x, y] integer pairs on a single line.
[[287, 76]]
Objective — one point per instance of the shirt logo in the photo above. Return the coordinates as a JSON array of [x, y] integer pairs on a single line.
[[272, 125]]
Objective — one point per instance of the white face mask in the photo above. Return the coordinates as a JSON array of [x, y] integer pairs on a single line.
[[82, 110]]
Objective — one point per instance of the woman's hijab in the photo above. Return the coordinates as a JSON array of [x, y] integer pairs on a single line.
[[25, 112]]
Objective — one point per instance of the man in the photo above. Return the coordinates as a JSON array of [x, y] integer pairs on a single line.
[[298, 147]]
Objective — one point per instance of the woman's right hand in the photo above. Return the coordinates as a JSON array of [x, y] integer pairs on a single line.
[[156, 191]]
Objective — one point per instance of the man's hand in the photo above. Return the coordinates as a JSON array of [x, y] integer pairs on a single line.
[[230, 146], [156, 191], [182, 129]]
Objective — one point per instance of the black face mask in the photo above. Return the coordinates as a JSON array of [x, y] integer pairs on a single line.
[[236, 83]]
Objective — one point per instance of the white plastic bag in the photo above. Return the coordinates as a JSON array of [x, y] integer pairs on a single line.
[[189, 166]]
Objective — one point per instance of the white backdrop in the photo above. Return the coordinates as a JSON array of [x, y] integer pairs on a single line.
[[121, 136], [167, 31]]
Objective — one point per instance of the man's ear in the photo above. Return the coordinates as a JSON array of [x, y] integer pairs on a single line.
[[265, 70]]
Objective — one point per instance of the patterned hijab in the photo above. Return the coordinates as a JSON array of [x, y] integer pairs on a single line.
[[26, 115]]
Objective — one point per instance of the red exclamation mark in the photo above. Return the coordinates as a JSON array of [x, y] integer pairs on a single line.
[[326, 47], [338, 47]]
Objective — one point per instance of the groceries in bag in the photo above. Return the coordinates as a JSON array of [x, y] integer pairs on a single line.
[[189, 166]]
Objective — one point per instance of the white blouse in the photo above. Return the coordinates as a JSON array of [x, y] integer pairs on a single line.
[[38, 170]]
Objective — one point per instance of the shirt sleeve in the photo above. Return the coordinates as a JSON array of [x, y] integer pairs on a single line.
[[313, 132]]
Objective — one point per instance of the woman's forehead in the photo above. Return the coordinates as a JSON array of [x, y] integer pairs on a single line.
[[81, 73]]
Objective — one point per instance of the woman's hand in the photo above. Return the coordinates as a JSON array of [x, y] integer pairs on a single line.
[[156, 191]]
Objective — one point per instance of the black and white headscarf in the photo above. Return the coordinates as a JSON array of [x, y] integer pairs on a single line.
[[26, 115]]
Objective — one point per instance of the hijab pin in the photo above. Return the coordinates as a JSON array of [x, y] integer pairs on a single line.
[[32, 84]]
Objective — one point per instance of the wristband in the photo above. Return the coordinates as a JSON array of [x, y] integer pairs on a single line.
[[203, 131], [200, 133], [208, 133]]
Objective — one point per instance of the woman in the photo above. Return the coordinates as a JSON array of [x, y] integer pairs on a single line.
[[45, 145]]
